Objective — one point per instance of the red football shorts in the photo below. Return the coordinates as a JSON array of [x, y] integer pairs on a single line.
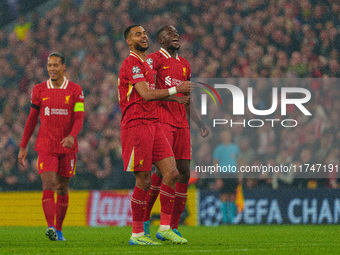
[[144, 145], [62, 164], [179, 139]]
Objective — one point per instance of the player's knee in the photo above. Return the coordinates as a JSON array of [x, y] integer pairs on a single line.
[[143, 180], [48, 180], [62, 189], [183, 166], [147, 183], [184, 176], [158, 173], [173, 174], [48, 185]]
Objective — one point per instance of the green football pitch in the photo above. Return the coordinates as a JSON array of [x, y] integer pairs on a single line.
[[261, 239]]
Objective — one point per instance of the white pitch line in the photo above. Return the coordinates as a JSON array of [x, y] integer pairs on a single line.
[[191, 251]]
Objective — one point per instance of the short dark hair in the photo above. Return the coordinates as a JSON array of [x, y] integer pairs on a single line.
[[161, 30], [128, 29], [59, 55]]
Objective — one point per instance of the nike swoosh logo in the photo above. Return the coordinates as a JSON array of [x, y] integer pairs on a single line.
[[166, 67], [45, 98]]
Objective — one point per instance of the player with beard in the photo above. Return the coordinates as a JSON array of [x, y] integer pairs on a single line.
[[143, 141], [60, 105], [171, 71]]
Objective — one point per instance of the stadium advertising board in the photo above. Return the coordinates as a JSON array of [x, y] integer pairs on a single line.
[[319, 206], [113, 208], [109, 208], [27, 211]]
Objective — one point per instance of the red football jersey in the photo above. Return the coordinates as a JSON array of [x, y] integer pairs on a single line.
[[170, 72], [57, 107], [134, 108]]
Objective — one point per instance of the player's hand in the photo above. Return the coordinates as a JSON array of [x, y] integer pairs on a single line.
[[22, 156], [183, 100], [68, 141], [185, 87], [204, 132]]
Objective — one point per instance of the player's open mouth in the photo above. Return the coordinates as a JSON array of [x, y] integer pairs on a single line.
[[175, 42]]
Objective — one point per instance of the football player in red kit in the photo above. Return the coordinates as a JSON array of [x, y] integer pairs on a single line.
[[60, 105], [143, 141], [172, 70]]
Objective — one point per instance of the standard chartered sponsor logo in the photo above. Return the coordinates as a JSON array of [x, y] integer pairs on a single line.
[[176, 82], [55, 111]]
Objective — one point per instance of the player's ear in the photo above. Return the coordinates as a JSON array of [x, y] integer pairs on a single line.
[[128, 41]]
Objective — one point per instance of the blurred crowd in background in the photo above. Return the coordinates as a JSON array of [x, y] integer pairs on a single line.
[[225, 39]]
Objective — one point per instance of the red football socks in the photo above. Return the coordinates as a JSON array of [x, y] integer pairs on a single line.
[[179, 205], [152, 195], [167, 198], [138, 205], [62, 205], [49, 207]]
